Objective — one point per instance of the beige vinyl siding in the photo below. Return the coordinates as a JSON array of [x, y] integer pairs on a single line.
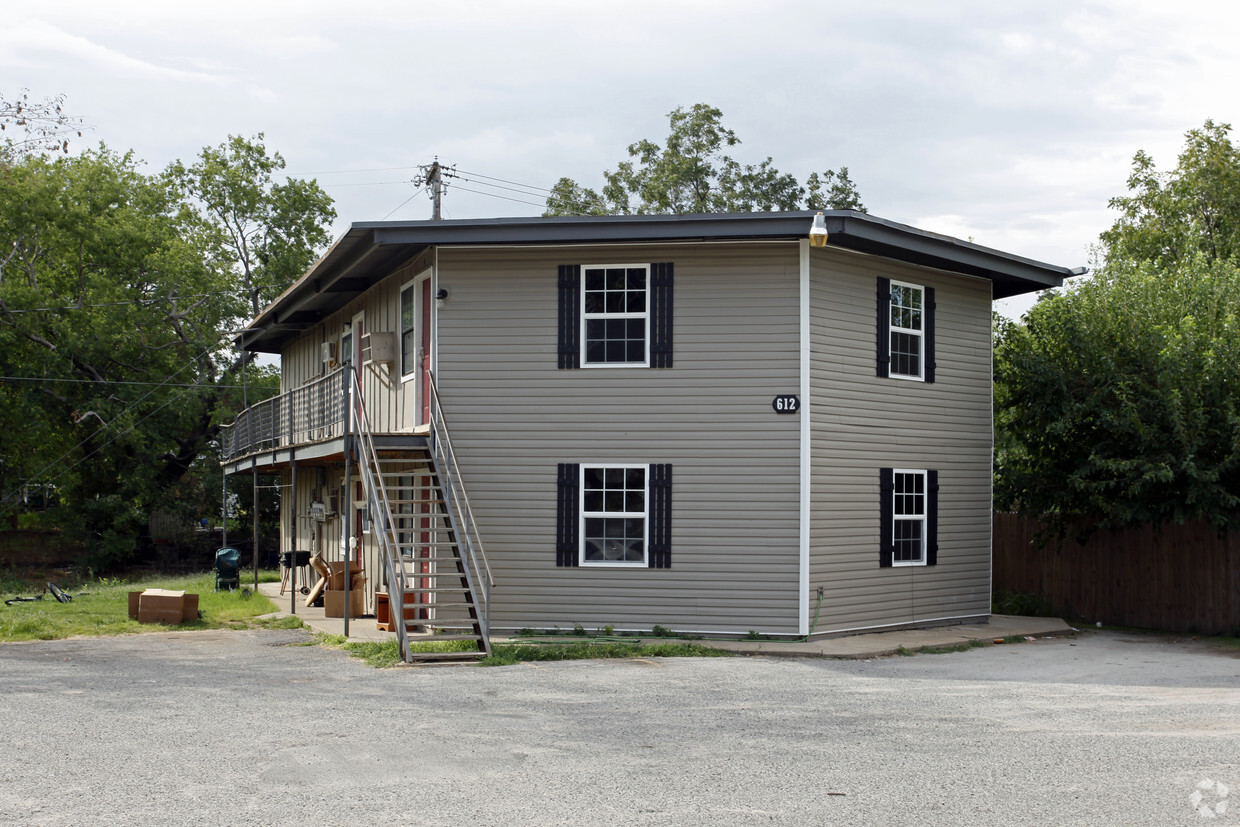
[[861, 423], [513, 416]]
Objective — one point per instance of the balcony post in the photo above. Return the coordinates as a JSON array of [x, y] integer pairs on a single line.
[[346, 502]]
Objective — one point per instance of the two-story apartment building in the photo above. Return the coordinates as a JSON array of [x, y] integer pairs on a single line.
[[703, 422]]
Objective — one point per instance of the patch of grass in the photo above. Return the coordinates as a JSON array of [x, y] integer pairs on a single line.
[[507, 654], [387, 653], [102, 608], [953, 647]]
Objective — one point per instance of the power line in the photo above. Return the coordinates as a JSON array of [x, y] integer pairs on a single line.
[[403, 203], [343, 171], [116, 382], [504, 197], [506, 181], [235, 291], [118, 435]]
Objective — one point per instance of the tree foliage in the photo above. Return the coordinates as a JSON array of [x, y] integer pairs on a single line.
[[1170, 217], [1117, 400], [266, 232], [692, 173], [118, 294]]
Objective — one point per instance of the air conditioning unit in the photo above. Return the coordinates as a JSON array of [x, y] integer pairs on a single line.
[[379, 347], [328, 352]]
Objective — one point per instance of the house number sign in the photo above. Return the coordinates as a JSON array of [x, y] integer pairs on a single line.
[[786, 403]]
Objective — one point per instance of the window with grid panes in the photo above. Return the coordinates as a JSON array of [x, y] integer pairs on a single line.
[[909, 518], [615, 314], [906, 330], [613, 515]]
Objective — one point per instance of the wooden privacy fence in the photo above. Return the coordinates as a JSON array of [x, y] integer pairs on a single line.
[[1184, 578]]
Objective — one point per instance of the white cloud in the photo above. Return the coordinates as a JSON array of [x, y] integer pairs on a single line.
[[30, 40]]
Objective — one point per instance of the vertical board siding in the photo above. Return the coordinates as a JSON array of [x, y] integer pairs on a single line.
[[861, 422], [390, 401], [514, 415], [1182, 578]]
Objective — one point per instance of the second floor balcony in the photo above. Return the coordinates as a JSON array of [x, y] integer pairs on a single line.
[[313, 413]]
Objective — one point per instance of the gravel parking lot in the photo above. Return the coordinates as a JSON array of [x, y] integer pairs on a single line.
[[249, 728]]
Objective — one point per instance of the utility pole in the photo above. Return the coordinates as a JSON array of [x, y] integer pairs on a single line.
[[434, 178]]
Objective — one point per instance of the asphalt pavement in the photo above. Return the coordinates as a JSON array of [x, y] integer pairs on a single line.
[[256, 727]]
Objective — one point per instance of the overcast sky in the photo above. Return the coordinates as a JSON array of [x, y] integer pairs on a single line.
[[1011, 123]]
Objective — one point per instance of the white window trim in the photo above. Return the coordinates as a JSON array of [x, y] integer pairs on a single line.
[[414, 284], [585, 362], [920, 334], [925, 517], [346, 335], [407, 372], [582, 514]]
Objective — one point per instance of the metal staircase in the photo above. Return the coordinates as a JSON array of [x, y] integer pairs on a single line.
[[438, 580]]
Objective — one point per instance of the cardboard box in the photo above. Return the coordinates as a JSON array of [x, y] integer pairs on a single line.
[[333, 603], [163, 606], [335, 579]]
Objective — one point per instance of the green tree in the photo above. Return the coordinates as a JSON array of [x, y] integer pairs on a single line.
[[265, 232], [117, 301], [1169, 217], [1117, 400], [692, 173]]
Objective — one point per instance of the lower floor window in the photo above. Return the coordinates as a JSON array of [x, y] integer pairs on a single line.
[[908, 516], [613, 514]]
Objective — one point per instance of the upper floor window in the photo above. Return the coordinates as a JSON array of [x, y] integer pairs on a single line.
[[615, 315], [408, 335], [905, 330]]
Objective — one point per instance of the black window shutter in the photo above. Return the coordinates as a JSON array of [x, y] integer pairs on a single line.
[[886, 543], [660, 556], [570, 315], [566, 544], [932, 518], [928, 325], [884, 327], [661, 315]]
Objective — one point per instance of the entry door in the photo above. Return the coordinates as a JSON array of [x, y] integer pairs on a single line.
[[424, 350]]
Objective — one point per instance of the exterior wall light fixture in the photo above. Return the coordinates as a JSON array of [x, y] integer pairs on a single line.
[[818, 232]]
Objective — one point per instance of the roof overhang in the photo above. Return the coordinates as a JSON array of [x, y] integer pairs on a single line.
[[372, 250]]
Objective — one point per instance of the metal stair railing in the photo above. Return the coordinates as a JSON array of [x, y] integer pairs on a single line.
[[457, 510], [461, 514], [380, 505]]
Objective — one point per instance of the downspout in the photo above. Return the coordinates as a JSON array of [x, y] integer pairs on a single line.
[[804, 413]]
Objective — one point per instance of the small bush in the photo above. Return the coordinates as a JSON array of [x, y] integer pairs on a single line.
[[1023, 604]]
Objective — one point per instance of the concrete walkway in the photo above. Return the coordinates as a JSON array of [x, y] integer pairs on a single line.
[[869, 645]]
